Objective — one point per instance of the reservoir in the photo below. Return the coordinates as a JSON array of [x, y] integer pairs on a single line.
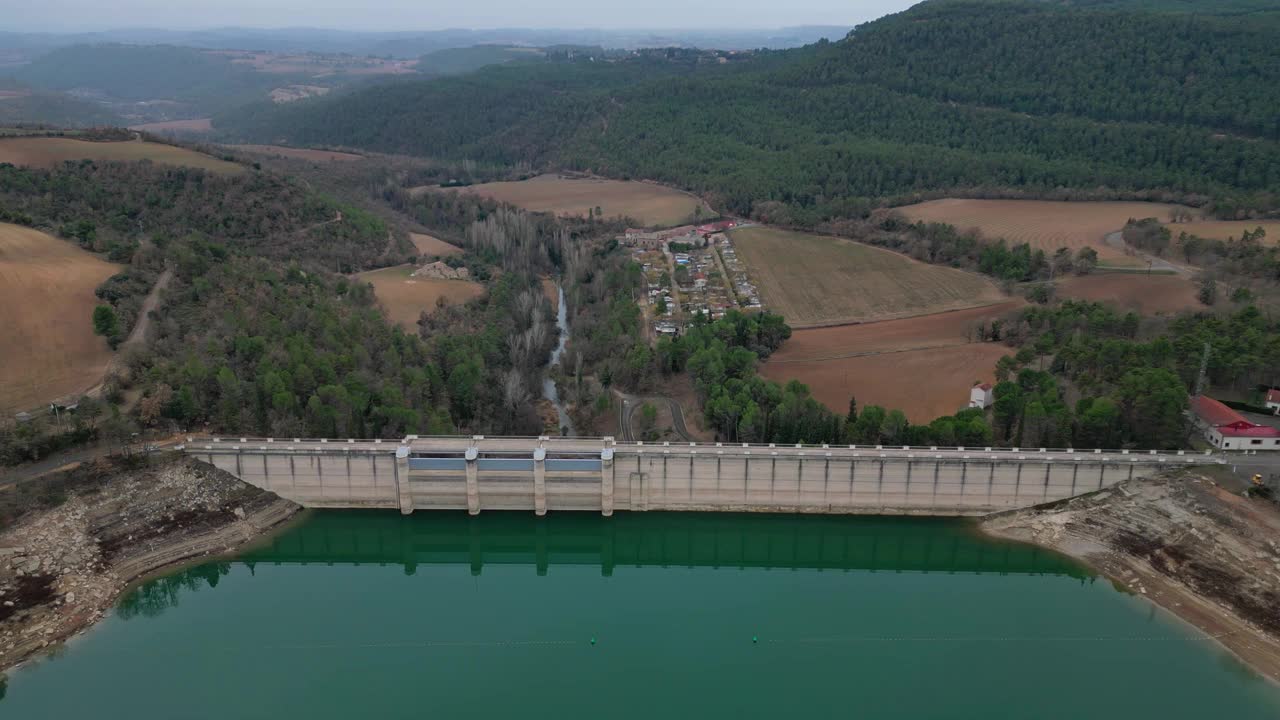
[[352, 614]]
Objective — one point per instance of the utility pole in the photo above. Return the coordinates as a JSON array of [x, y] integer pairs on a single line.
[[1204, 370]]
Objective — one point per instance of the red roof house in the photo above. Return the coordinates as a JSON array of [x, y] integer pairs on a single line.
[[1228, 429]]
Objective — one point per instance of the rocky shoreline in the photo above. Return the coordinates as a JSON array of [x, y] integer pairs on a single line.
[[1209, 556], [64, 565]]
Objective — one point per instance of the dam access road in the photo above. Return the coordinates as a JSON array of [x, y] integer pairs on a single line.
[[602, 474]]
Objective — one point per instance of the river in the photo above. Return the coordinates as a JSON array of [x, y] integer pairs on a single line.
[[548, 384], [647, 615]]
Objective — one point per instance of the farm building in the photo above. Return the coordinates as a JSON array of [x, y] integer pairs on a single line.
[[1273, 401], [980, 396], [1229, 430], [644, 239]]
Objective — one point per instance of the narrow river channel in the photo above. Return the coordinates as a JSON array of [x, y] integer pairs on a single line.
[[548, 384], [370, 614]]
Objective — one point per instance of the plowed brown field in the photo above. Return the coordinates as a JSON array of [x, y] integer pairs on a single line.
[[1225, 229], [649, 204], [299, 153], [1145, 294], [923, 365], [815, 280], [46, 152], [1044, 224], [47, 347]]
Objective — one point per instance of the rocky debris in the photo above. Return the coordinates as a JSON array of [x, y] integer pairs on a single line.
[[438, 270], [1208, 555], [62, 568]]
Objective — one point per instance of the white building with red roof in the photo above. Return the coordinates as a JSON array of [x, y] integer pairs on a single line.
[[1229, 430], [980, 396]]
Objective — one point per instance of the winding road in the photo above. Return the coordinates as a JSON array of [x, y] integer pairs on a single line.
[[630, 403]]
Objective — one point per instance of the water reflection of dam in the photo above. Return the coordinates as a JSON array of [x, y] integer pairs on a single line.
[[654, 539]]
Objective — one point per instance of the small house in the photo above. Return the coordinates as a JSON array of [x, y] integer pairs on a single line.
[[980, 396]]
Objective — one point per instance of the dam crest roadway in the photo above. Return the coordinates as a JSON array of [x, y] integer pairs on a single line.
[[602, 474]]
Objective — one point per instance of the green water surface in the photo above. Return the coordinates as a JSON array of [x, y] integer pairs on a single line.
[[375, 615]]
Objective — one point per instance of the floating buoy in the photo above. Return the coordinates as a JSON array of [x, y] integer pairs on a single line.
[[593, 639], [754, 639]]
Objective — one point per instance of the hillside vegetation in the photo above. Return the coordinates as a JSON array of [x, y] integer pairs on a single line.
[[968, 95], [140, 72]]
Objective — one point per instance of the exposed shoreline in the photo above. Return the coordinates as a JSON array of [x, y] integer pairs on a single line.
[[63, 568], [1207, 556]]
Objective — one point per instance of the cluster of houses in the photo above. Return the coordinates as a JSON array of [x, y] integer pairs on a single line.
[[748, 295], [691, 270]]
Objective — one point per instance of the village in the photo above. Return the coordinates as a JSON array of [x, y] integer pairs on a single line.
[[690, 271]]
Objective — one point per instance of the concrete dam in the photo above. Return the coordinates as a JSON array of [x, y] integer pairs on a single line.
[[603, 475]]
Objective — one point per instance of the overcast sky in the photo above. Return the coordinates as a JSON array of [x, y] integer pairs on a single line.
[[80, 15]]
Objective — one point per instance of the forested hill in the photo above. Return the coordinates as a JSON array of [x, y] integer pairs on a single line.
[[978, 95]]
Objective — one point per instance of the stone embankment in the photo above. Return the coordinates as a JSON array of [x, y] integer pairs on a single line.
[[64, 564], [1183, 541]]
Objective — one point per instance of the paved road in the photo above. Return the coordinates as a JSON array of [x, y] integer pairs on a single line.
[[30, 471], [627, 408]]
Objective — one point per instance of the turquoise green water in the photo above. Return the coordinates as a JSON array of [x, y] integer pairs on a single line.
[[353, 615]]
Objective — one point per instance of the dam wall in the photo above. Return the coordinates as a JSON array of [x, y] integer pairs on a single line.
[[603, 475]]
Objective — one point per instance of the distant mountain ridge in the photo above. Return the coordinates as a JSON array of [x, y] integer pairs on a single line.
[[957, 95]]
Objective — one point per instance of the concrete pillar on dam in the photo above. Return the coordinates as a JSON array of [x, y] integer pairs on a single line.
[[403, 493], [473, 481], [540, 481], [606, 482]]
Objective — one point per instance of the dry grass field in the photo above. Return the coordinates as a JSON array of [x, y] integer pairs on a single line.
[[649, 204], [404, 298], [47, 346], [1044, 224], [1145, 294], [299, 153], [428, 245], [1225, 229], [191, 126], [45, 152], [814, 280]]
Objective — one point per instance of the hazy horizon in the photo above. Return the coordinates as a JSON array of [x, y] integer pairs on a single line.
[[711, 16]]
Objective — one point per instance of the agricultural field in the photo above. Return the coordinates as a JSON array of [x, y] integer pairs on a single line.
[[1144, 294], [45, 152], [922, 365], [649, 204], [49, 350], [814, 280], [199, 125], [404, 298], [433, 246], [1226, 229], [1044, 224], [924, 384], [298, 153]]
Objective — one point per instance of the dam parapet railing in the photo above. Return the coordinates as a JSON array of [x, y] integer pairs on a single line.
[[601, 474]]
